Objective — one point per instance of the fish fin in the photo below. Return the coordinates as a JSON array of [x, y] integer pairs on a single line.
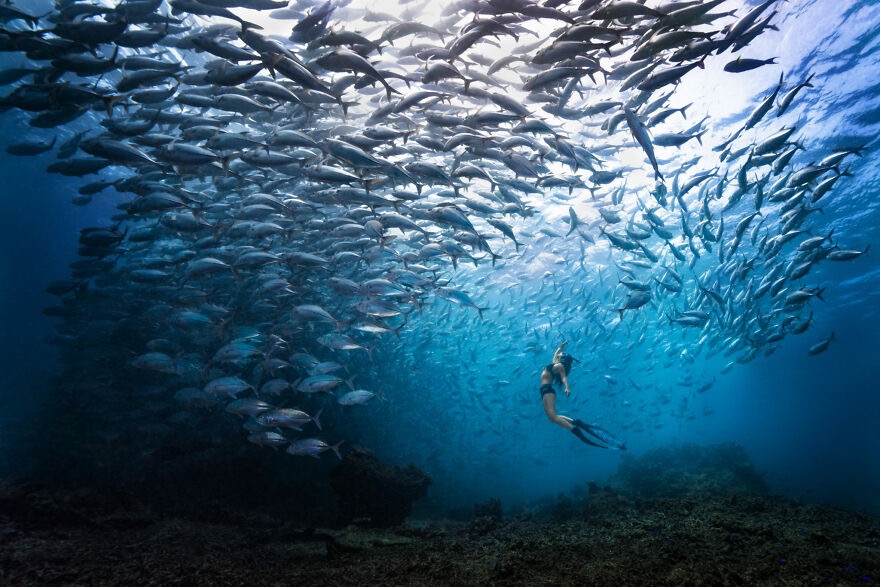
[[249, 25], [683, 108]]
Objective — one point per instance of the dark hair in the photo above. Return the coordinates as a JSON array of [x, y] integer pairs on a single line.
[[566, 361]]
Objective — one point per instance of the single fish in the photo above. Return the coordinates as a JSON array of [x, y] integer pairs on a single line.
[[313, 447]]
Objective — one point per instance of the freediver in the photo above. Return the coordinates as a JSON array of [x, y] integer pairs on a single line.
[[557, 372]]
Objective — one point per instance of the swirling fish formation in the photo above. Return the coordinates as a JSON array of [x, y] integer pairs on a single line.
[[301, 197]]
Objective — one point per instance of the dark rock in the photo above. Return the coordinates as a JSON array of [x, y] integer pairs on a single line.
[[376, 493], [491, 509], [482, 525], [43, 507], [564, 508], [487, 517], [689, 469]]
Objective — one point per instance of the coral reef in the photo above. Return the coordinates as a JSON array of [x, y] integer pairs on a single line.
[[688, 469], [77, 537], [490, 509], [696, 531], [487, 517]]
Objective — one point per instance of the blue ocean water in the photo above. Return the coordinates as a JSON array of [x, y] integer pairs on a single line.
[[458, 394]]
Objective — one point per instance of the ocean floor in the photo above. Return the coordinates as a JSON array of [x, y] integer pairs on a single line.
[[90, 537]]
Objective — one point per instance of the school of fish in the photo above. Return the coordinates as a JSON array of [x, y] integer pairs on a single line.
[[308, 214]]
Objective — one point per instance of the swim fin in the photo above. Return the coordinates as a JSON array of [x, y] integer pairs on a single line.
[[579, 433], [609, 440]]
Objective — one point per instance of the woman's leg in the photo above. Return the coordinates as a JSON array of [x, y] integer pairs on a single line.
[[549, 401]]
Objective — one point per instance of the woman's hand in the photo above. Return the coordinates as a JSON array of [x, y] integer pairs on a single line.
[[567, 392]]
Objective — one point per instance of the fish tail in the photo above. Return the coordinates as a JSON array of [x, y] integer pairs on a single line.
[[245, 25], [335, 449], [225, 162], [317, 420], [682, 110], [389, 90]]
